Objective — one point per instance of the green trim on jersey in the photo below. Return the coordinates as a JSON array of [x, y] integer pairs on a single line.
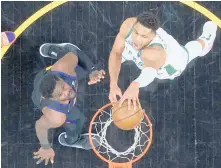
[[170, 69], [156, 44], [131, 30], [187, 52]]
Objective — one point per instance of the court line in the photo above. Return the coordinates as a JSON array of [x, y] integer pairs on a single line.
[[55, 4], [203, 11], [31, 20]]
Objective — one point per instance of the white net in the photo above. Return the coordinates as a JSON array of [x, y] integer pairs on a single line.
[[140, 140]]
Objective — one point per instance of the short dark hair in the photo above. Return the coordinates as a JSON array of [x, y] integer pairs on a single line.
[[47, 85], [149, 20]]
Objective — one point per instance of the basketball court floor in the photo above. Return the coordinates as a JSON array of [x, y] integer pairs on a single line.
[[185, 113]]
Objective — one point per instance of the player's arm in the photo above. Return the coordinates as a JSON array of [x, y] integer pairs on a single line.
[[50, 119], [69, 62], [153, 58], [115, 56], [66, 64]]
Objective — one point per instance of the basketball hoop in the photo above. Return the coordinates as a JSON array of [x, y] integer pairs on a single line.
[[101, 120]]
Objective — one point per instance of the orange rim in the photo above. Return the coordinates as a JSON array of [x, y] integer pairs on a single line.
[[117, 163]]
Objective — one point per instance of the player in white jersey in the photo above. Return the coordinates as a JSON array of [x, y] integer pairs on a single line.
[[154, 51]]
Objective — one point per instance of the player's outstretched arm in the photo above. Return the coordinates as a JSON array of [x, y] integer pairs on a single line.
[[115, 57], [50, 119]]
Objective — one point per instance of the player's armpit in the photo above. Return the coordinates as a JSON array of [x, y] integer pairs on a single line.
[[154, 57]]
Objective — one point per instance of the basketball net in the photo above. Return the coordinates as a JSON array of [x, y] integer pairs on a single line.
[[142, 138]]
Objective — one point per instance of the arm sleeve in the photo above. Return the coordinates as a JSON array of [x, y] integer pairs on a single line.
[[85, 62], [147, 76]]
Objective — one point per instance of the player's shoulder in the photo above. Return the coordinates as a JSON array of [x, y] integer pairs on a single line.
[[129, 22], [127, 25]]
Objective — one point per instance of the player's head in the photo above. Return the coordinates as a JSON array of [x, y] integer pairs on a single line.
[[55, 88], [144, 30]]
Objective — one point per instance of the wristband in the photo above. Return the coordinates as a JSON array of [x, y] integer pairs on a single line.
[[45, 146]]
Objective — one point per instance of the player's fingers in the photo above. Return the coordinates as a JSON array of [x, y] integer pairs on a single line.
[[138, 101], [97, 78], [114, 96], [102, 75], [121, 101], [39, 161], [52, 160], [135, 103], [129, 103], [120, 93], [35, 153], [36, 157], [111, 98], [90, 82], [46, 161], [103, 72]]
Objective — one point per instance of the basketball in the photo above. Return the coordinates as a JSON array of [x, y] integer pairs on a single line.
[[126, 119]]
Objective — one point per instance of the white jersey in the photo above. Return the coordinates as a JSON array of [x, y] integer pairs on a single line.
[[176, 55]]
